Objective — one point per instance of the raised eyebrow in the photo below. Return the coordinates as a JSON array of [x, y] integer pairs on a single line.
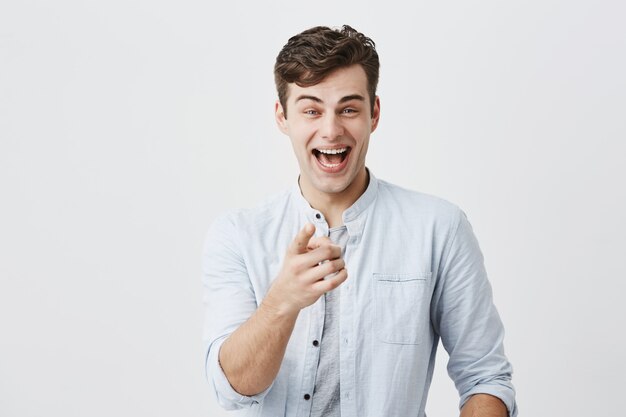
[[352, 97], [341, 100], [305, 97]]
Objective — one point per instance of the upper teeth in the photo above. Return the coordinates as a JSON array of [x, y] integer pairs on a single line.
[[333, 151]]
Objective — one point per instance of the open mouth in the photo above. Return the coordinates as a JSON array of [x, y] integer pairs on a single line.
[[331, 158]]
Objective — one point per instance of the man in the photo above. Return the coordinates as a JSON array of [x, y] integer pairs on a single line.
[[330, 299]]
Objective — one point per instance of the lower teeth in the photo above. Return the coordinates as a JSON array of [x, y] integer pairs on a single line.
[[325, 160]]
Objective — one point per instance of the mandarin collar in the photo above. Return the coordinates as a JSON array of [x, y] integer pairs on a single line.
[[353, 217]]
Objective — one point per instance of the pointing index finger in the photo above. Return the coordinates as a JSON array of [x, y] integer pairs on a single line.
[[300, 242], [316, 242]]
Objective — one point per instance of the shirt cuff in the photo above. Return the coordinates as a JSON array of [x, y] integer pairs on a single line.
[[504, 392], [226, 395]]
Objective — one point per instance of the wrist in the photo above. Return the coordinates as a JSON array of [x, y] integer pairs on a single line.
[[278, 308]]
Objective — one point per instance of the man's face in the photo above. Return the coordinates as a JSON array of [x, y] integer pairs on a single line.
[[329, 125]]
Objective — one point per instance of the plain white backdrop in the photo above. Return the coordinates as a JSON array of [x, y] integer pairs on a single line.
[[126, 127]]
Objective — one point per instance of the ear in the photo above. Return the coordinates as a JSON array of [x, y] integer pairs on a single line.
[[375, 114], [281, 120]]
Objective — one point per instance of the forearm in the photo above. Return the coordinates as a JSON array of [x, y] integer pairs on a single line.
[[252, 355], [484, 405]]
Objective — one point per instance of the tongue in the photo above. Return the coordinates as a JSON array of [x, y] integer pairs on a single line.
[[331, 159]]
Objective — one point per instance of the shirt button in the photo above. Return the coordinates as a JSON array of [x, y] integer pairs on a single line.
[[307, 397], [316, 343], [318, 216]]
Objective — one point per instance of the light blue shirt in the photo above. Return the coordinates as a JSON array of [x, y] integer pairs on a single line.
[[415, 274]]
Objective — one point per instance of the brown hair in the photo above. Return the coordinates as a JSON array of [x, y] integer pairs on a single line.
[[310, 56]]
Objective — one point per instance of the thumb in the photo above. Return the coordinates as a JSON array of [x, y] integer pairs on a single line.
[[300, 242]]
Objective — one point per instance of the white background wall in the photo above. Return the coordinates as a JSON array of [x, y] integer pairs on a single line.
[[127, 126]]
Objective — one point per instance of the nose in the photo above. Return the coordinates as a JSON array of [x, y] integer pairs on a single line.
[[331, 127]]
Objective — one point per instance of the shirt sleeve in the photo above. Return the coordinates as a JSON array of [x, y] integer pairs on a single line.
[[229, 301], [467, 321]]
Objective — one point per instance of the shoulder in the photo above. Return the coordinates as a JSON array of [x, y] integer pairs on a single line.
[[411, 204], [243, 231], [258, 216]]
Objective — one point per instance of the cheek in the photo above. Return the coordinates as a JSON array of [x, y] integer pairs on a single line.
[[360, 135], [301, 130], [360, 127]]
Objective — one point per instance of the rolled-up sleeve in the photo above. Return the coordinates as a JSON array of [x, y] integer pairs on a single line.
[[229, 301], [467, 321]]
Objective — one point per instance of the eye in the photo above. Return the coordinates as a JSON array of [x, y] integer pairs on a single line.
[[349, 110], [311, 112]]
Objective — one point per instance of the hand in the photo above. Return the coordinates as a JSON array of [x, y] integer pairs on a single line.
[[312, 267]]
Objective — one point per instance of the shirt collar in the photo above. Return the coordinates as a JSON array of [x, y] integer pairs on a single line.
[[353, 217]]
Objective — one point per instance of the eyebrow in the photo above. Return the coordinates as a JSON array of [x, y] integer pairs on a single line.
[[342, 100]]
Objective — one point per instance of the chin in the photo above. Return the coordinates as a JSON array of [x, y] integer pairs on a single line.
[[332, 186]]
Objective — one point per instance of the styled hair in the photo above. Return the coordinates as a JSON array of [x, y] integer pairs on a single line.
[[312, 55]]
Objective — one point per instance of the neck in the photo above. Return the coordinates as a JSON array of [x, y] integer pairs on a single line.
[[332, 205]]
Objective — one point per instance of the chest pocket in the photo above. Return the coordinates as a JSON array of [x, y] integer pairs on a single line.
[[402, 305]]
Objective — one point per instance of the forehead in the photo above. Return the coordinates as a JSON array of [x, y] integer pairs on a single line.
[[339, 83]]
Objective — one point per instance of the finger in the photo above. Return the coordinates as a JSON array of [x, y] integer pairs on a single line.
[[324, 270], [327, 269], [321, 254], [317, 241], [331, 282], [301, 240]]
